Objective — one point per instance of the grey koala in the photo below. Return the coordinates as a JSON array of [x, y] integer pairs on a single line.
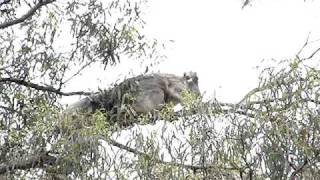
[[157, 89], [145, 93]]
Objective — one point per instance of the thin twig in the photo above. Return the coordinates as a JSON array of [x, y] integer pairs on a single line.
[[42, 88], [311, 56], [157, 160], [299, 169], [304, 45], [78, 72]]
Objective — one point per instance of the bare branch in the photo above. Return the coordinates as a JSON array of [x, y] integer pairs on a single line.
[[27, 15], [311, 56], [245, 3], [302, 48], [43, 88], [304, 45]]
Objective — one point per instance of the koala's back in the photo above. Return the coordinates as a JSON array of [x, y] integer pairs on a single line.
[[147, 92]]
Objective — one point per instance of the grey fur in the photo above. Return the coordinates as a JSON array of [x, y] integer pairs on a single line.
[[145, 93]]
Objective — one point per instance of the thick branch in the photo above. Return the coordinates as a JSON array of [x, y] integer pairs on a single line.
[[39, 160], [42, 88], [30, 13]]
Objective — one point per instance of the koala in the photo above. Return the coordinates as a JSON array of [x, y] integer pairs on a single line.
[[144, 93], [153, 91], [176, 85]]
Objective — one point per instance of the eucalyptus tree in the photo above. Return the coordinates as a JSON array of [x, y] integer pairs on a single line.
[[44, 44], [272, 133]]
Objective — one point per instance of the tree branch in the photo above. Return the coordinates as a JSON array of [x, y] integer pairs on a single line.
[[312, 54], [39, 160], [245, 3], [30, 13], [299, 169], [43, 159], [11, 110], [304, 45], [157, 160], [4, 2], [43, 88]]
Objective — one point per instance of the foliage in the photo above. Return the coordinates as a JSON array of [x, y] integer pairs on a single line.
[[272, 133]]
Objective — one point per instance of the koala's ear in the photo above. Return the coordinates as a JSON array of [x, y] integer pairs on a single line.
[[196, 75], [195, 79]]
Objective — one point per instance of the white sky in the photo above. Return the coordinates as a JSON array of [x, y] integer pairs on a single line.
[[223, 42]]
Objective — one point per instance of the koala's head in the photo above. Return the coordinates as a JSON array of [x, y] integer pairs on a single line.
[[191, 80]]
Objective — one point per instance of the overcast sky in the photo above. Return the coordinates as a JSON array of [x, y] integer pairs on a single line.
[[223, 42]]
